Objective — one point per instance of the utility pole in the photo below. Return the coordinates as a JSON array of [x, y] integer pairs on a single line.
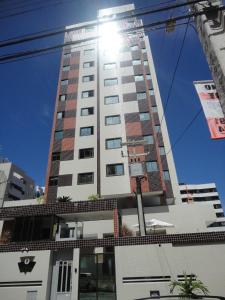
[[211, 31], [137, 171]]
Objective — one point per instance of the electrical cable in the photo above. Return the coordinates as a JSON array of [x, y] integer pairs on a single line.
[[33, 51], [53, 51], [183, 132], [174, 75], [43, 34], [20, 6]]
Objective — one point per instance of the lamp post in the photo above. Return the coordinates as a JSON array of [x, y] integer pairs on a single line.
[[137, 171]]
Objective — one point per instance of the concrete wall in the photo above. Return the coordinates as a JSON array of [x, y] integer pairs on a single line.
[[10, 273], [207, 262]]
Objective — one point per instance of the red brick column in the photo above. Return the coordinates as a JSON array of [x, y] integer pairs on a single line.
[[116, 223]]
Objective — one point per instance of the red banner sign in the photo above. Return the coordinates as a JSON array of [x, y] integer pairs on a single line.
[[212, 108]]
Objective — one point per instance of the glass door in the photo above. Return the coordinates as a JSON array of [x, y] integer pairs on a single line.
[[97, 277]]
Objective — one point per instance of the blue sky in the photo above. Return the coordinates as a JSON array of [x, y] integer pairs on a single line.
[[28, 90]]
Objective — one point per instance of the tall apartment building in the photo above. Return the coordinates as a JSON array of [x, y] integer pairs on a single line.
[[15, 184], [206, 194], [107, 102]]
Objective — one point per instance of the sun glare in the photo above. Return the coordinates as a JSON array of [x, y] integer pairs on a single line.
[[110, 40]]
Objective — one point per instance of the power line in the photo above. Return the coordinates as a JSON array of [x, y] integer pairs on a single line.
[[31, 52], [24, 5], [184, 131], [174, 74], [53, 51], [48, 33]]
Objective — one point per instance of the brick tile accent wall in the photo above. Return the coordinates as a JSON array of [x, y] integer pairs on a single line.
[[72, 88], [133, 129], [67, 144], [68, 133], [129, 97], [70, 105], [132, 117], [67, 155], [127, 79], [70, 113], [69, 123], [188, 239], [54, 168], [126, 63]]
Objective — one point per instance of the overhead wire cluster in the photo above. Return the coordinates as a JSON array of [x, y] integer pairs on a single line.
[[162, 24]]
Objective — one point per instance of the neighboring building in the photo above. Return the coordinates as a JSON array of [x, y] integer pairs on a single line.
[[205, 194], [211, 31], [80, 249], [15, 184]]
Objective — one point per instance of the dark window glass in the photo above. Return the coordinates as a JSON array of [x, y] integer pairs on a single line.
[[114, 170], [86, 153], [56, 156], [53, 181], [110, 81], [89, 64], [151, 166], [85, 178], [64, 82], [144, 116], [62, 98], [58, 135], [88, 78]]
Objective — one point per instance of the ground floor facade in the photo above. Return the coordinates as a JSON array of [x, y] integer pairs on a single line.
[[120, 272]]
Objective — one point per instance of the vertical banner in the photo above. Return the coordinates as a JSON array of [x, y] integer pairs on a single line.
[[212, 108]]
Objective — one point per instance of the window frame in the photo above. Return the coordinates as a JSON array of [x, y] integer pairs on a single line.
[[53, 179], [112, 116], [79, 175], [89, 62], [138, 76], [66, 66], [55, 134], [113, 96], [88, 127], [144, 113], [87, 108], [91, 78], [64, 82], [86, 149], [140, 93], [151, 138], [89, 51], [114, 165], [60, 97], [89, 91], [113, 140], [109, 64], [112, 79], [150, 164]]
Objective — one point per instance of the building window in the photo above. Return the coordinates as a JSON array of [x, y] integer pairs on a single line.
[[111, 100], [114, 170], [141, 96], [58, 135], [166, 175], [151, 166], [220, 215], [87, 94], [86, 153], [136, 62], [62, 98], [157, 128], [151, 92], [109, 66], [149, 139], [113, 143], [86, 131], [110, 81], [53, 181], [112, 120], [88, 64], [88, 78], [148, 76], [217, 206], [90, 29], [138, 77], [87, 111], [64, 82], [85, 178], [60, 115], [89, 51], [154, 109], [144, 116], [56, 156], [66, 68], [162, 151], [143, 50], [145, 63], [67, 55], [134, 48]]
